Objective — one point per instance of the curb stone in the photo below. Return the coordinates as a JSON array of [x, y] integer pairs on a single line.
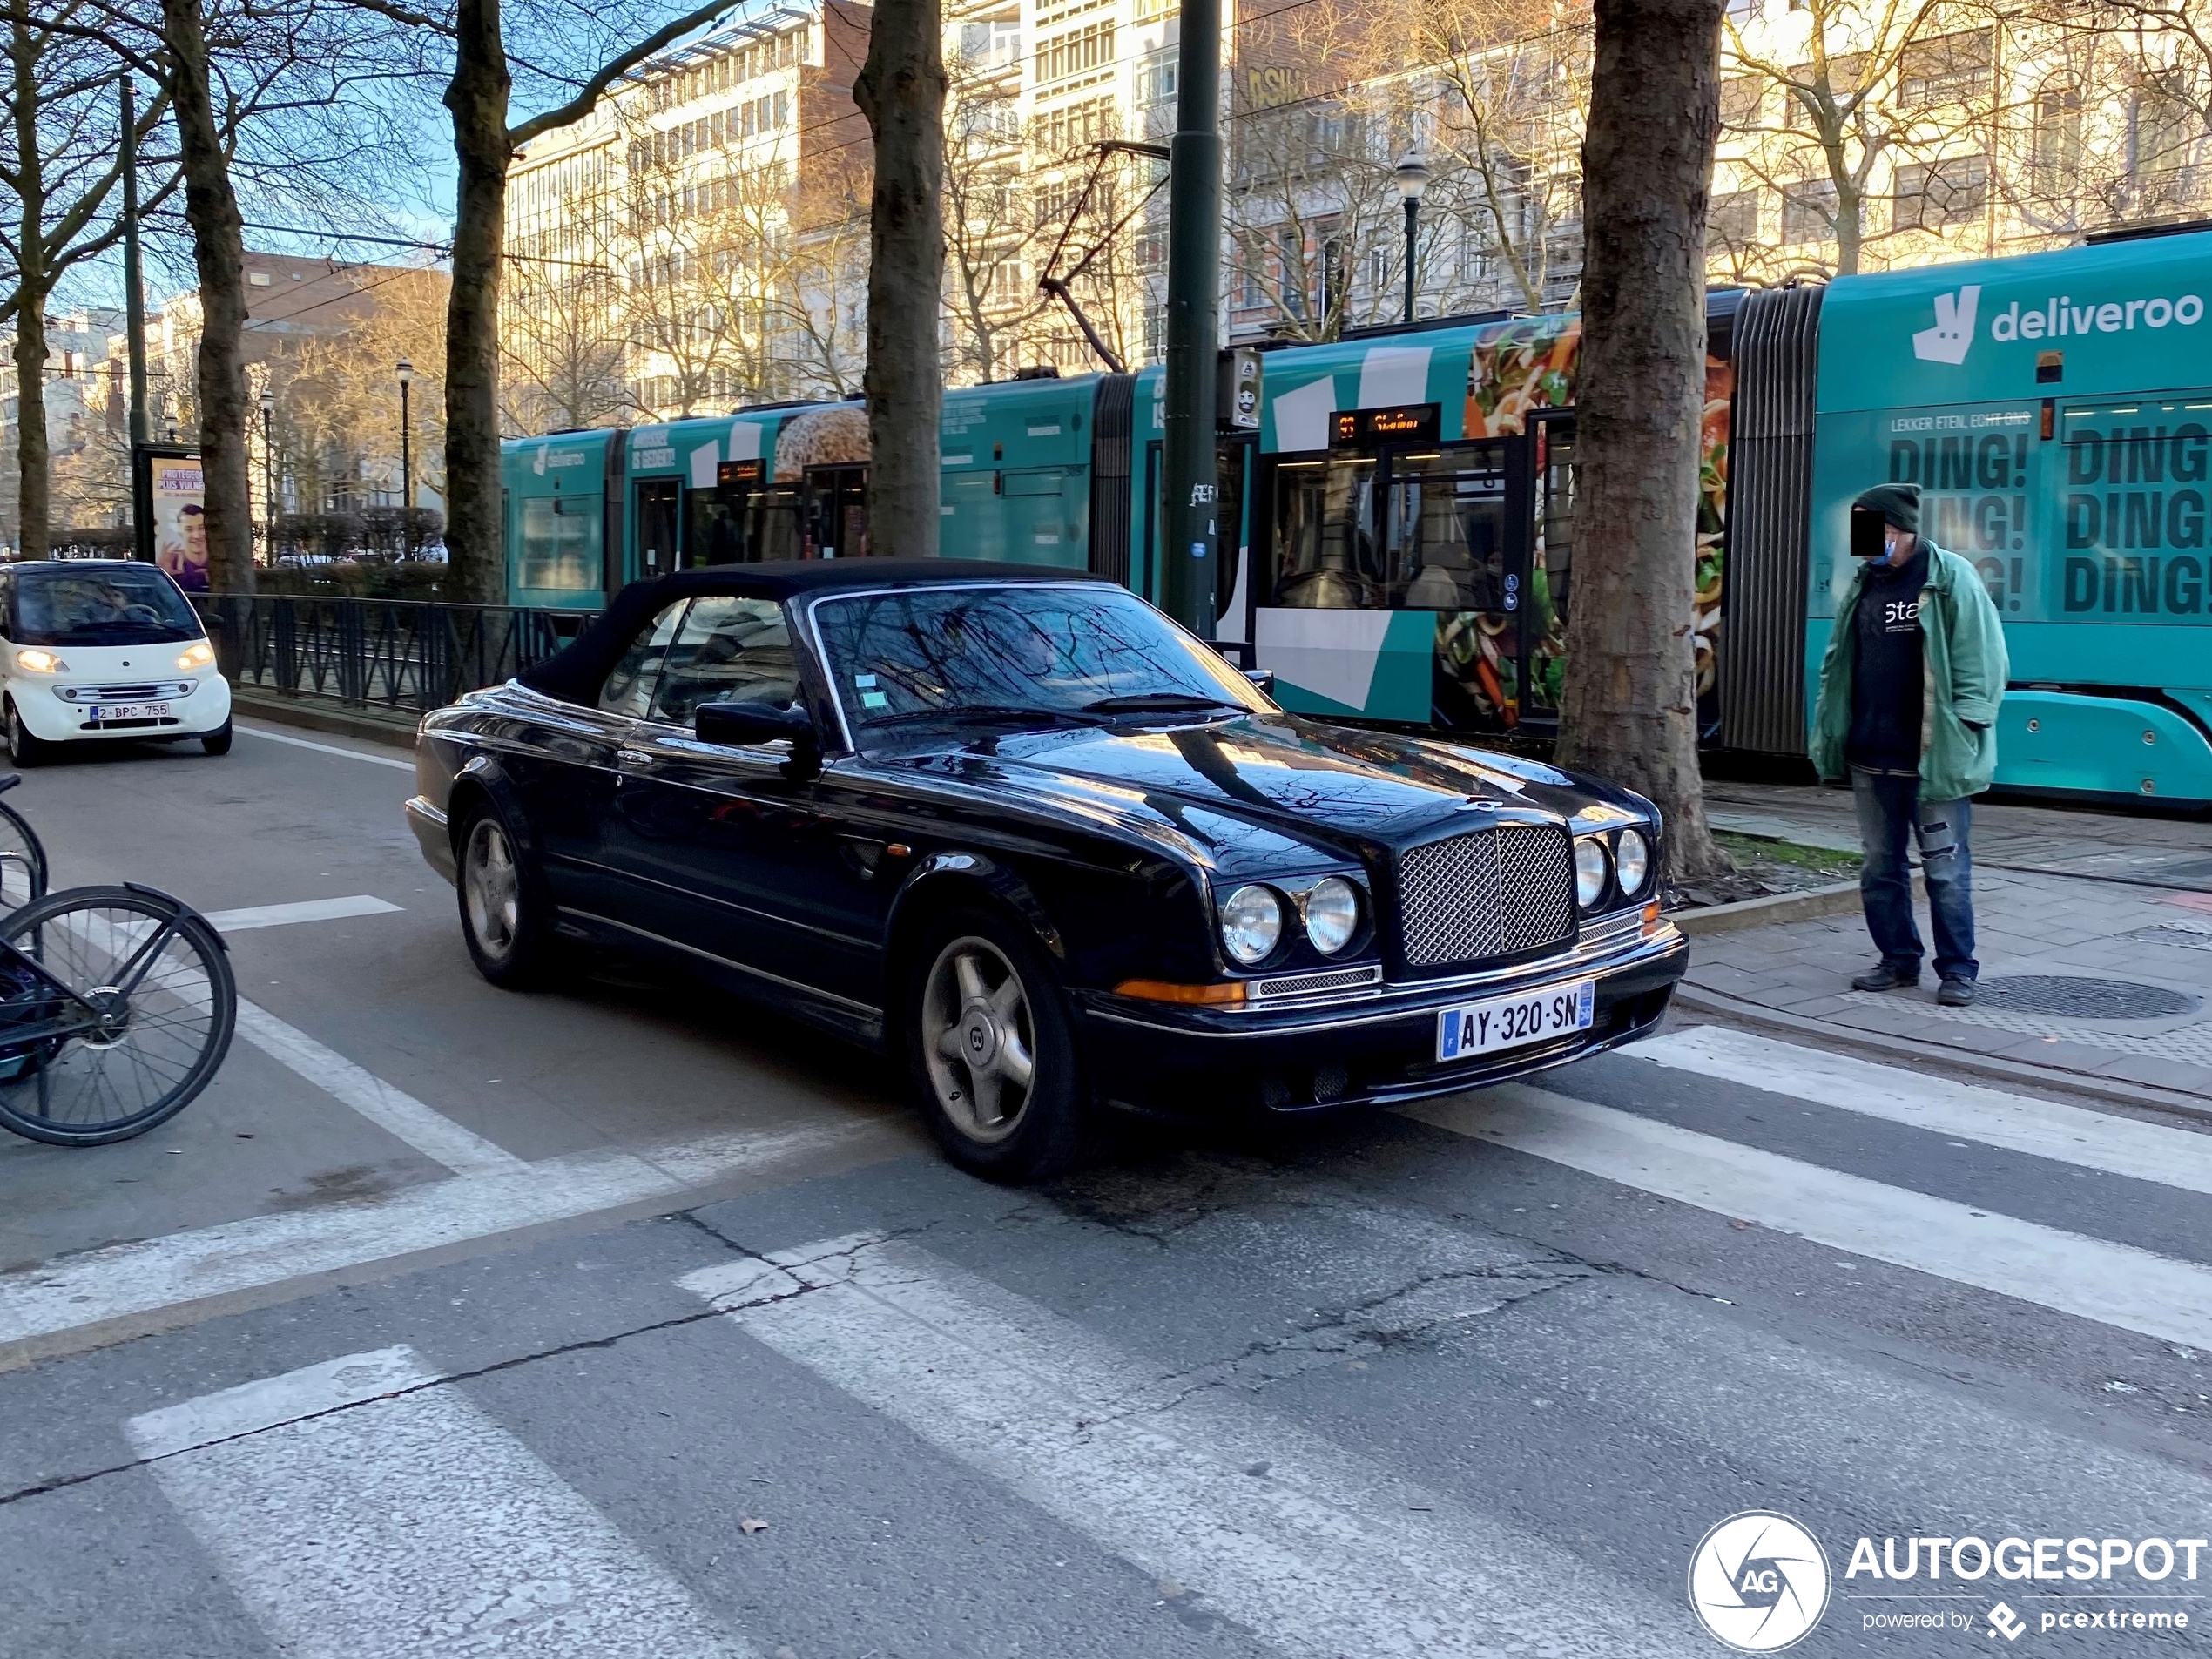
[[311, 716]]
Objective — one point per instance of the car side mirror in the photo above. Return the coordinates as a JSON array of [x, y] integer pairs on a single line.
[[742, 724], [1263, 678]]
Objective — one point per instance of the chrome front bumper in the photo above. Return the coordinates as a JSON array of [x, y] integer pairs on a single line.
[[1373, 1045]]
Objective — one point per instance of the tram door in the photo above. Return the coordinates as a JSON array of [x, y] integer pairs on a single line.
[[837, 520], [1231, 455], [658, 501]]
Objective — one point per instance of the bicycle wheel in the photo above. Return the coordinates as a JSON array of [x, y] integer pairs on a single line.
[[22, 862], [118, 1028]]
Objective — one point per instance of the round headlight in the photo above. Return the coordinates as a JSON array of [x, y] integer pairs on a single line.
[[1251, 922], [1589, 870], [1632, 860], [1331, 915]]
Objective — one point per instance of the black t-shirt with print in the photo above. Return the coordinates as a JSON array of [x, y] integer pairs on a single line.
[[1885, 686]]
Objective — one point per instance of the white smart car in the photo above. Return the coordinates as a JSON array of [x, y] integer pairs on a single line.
[[94, 648]]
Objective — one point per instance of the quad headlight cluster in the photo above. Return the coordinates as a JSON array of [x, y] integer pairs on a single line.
[[1623, 859], [1254, 918]]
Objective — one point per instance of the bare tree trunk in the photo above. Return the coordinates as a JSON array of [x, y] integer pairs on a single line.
[[34, 532], [219, 250], [901, 91], [1630, 705], [478, 98]]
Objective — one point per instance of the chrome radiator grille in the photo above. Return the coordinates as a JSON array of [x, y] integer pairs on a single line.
[[1492, 894]]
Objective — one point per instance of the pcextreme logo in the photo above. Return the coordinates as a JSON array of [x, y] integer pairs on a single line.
[[1759, 1582], [2054, 317]]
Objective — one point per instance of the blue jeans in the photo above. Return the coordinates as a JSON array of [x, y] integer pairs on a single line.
[[1889, 812]]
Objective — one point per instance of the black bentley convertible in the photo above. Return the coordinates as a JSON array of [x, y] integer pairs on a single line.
[[1023, 830]]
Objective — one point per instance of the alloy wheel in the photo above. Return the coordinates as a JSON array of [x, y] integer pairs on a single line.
[[979, 1039], [493, 887]]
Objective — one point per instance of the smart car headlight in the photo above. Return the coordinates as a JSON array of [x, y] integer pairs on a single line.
[[199, 654], [1589, 870], [33, 661], [1331, 915], [1251, 923]]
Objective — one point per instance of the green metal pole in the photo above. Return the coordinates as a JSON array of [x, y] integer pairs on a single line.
[[134, 292], [1189, 515]]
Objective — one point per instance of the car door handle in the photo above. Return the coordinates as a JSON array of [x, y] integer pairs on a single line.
[[632, 758]]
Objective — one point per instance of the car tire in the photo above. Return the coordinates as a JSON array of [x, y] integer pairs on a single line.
[[217, 742], [504, 917], [25, 749], [990, 1044]]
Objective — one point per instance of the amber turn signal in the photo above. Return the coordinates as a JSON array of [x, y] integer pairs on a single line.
[[1154, 991], [1651, 917]]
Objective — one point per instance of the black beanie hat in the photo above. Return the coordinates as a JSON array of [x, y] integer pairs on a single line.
[[1899, 504]]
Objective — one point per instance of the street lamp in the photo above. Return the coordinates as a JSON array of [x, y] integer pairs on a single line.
[[1413, 179], [407, 462], [268, 464]]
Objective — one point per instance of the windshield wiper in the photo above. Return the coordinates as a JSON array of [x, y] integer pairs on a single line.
[[982, 712], [1139, 702]]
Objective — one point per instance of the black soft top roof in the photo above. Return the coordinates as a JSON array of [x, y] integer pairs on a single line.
[[576, 673]]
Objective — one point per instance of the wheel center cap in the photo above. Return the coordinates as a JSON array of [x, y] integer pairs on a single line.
[[979, 1036]]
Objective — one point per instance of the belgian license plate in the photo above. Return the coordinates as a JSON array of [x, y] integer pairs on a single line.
[[131, 712], [1510, 1022]]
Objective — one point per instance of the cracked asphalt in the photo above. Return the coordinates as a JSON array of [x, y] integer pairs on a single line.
[[1342, 1387]]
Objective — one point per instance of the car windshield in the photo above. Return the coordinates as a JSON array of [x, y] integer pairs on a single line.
[[1018, 653], [113, 605]]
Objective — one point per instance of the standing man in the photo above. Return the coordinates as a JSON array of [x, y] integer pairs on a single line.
[[1909, 690]]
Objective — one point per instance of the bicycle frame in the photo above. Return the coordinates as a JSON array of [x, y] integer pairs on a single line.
[[134, 970]]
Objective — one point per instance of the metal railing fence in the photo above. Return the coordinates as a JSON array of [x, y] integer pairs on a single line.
[[403, 654]]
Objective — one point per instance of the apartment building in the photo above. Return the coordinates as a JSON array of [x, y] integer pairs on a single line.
[[702, 242], [690, 245]]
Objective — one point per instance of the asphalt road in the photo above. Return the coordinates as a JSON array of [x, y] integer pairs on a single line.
[[619, 1321]]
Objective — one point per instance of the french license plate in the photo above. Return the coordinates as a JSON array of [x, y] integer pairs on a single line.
[[1510, 1022], [129, 711]]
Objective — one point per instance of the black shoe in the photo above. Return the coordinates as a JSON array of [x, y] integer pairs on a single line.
[[1956, 993], [1887, 978]]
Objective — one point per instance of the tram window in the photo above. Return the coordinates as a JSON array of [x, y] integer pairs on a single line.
[[1325, 552], [1447, 544], [713, 532], [772, 528], [560, 546]]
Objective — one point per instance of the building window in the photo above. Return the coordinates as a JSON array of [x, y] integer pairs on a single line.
[[1741, 96], [993, 44], [1949, 69], [1077, 52], [1809, 211], [1732, 222], [1930, 195], [2057, 154], [1155, 80]]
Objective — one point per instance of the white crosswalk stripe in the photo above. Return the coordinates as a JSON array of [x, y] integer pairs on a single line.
[[1317, 1551], [2091, 1278], [2103, 1140], [361, 1511]]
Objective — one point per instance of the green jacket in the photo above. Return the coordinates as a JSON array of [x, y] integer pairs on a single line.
[[1964, 667]]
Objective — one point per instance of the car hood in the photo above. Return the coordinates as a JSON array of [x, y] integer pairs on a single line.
[[1253, 788]]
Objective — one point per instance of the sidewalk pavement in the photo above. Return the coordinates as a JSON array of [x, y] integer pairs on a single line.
[[2093, 930]]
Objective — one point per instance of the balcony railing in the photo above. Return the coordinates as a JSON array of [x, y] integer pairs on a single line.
[[405, 656]]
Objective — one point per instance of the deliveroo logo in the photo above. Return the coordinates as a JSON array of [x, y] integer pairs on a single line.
[[1947, 342]]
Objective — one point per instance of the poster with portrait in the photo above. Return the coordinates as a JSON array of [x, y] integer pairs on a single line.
[[177, 494]]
